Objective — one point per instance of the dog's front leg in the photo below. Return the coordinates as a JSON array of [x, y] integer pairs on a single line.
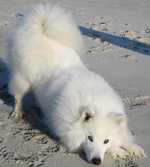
[[117, 152], [134, 150]]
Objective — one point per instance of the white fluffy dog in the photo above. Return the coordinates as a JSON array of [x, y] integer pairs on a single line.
[[80, 108]]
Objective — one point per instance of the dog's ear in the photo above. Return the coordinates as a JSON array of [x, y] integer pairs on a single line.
[[120, 118], [87, 113]]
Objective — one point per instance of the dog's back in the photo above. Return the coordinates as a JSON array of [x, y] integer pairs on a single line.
[[44, 40], [41, 40]]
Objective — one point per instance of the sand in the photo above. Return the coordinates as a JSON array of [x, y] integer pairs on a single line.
[[117, 37]]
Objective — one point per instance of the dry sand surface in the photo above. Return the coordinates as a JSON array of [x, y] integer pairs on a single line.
[[117, 36]]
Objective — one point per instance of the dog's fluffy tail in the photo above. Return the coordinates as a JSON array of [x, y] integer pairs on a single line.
[[55, 24]]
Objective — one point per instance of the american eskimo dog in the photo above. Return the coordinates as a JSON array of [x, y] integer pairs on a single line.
[[80, 108]]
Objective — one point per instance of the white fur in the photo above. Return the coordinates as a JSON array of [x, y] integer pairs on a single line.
[[43, 54]]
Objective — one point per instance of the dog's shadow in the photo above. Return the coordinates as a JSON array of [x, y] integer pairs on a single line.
[[34, 116]]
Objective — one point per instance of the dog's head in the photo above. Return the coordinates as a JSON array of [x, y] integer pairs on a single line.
[[101, 133]]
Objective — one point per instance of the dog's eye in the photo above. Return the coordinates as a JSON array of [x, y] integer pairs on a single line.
[[106, 141], [90, 138]]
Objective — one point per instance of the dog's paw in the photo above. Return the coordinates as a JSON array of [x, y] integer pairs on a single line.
[[17, 114], [135, 150], [117, 153]]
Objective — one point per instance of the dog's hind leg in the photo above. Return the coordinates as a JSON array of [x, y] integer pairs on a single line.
[[18, 87], [17, 110]]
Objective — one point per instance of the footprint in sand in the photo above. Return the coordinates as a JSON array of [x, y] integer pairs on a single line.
[[42, 139], [82, 13], [11, 15], [128, 34], [5, 23], [99, 49], [80, 9], [95, 49], [65, 5], [102, 18], [1, 139], [129, 57], [103, 23], [145, 41], [100, 28], [147, 30], [126, 24], [92, 24], [137, 100]]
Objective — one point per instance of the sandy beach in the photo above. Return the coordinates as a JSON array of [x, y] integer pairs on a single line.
[[117, 39]]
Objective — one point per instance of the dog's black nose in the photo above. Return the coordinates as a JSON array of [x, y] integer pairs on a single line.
[[96, 161]]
